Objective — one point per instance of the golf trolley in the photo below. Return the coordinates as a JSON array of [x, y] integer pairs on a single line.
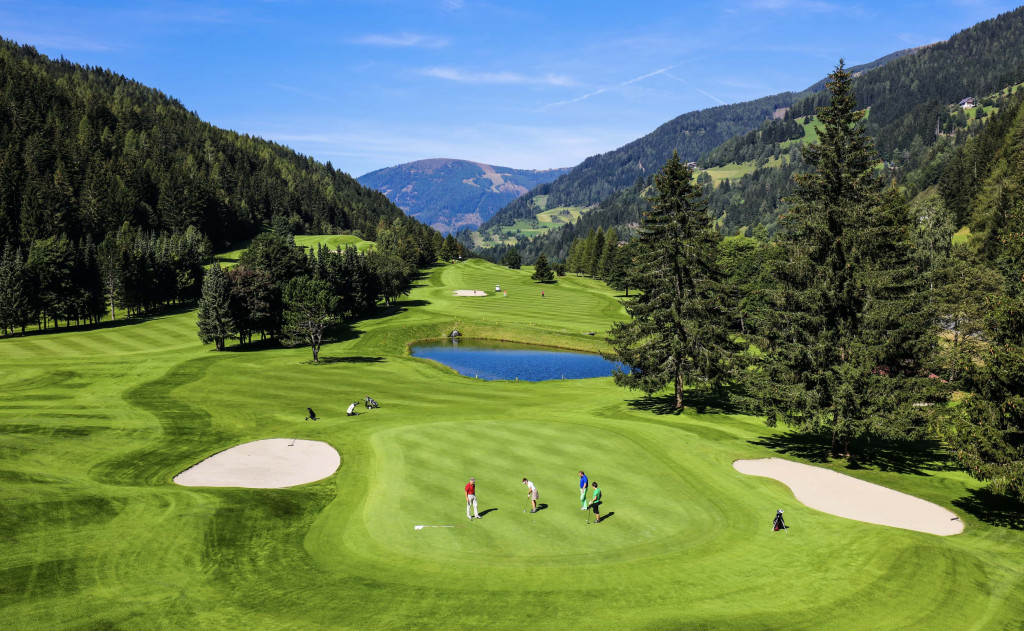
[[779, 523], [370, 403]]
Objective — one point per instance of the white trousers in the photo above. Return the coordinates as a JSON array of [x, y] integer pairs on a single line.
[[471, 503]]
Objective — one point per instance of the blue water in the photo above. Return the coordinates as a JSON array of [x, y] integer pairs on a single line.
[[507, 360]]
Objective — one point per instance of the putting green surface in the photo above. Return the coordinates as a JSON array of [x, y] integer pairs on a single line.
[[95, 424]]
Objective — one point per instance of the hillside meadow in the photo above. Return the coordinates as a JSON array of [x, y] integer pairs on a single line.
[[94, 424]]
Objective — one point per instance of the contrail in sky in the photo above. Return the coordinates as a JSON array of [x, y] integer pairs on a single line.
[[608, 89], [704, 92]]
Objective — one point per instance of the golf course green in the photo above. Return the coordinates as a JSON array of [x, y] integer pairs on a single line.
[[95, 424]]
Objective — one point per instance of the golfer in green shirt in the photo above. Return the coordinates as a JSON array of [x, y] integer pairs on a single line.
[[595, 503]]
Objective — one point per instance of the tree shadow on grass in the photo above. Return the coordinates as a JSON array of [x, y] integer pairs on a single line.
[[915, 457], [992, 508], [702, 403], [255, 345], [157, 313], [349, 360]]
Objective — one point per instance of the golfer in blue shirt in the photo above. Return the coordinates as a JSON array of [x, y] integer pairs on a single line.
[[583, 491]]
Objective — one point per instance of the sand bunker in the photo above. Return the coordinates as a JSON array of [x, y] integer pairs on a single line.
[[841, 495], [469, 292], [265, 464]]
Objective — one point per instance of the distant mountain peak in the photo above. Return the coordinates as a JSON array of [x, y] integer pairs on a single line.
[[449, 193]]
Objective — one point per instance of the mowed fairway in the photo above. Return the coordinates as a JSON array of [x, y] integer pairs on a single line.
[[95, 424]]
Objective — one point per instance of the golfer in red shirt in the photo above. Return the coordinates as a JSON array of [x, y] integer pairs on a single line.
[[471, 499]]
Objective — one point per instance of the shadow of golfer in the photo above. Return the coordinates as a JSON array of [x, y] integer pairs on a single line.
[[607, 515], [541, 507], [489, 510]]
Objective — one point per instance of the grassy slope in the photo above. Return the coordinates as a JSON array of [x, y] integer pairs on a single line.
[[523, 230], [94, 424], [333, 241]]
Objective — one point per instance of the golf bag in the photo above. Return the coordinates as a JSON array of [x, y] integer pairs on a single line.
[[779, 523], [312, 415], [370, 403]]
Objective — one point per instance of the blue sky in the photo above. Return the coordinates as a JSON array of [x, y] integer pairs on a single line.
[[373, 83]]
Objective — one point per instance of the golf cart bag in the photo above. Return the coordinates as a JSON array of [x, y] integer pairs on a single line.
[[370, 403], [779, 523]]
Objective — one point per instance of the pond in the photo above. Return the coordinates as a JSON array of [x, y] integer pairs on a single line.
[[489, 360]]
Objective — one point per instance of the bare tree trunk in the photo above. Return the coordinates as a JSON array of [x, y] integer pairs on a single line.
[[679, 391]]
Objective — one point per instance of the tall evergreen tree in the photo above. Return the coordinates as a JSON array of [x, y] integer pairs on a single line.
[[14, 300], [215, 322], [988, 436], [617, 274], [849, 331], [512, 260], [678, 334], [449, 249], [607, 260], [542, 272], [596, 254]]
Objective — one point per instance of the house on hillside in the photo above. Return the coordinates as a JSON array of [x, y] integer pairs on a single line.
[[968, 103], [691, 165]]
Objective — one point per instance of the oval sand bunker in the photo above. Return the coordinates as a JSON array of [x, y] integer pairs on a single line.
[[265, 464], [468, 292], [843, 496]]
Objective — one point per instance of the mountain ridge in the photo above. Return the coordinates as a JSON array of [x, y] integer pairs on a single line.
[[451, 193]]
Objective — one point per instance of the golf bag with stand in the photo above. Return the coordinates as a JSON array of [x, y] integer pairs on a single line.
[[779, 523], [370, 403]]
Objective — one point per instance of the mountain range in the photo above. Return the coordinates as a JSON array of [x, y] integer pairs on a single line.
[[452, 194], [911, 97]]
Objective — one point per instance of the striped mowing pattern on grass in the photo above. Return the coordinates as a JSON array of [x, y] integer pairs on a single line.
[[94, 425]]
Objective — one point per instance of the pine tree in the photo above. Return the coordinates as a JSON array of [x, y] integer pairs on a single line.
[[988, 431], [542, 272], [846, 339], [512, 260], [573, 262], [587, 253], [449, 249], [678, 333], [215, 323], [596, 253], [13, 291], [617, 275], [607, 260]]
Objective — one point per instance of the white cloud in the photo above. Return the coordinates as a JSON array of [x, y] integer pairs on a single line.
[[402, 40], [496, 78]]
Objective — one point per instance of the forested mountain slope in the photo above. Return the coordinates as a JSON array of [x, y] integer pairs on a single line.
[[913, 117], [85, 150], [692, 135], [450, 194]]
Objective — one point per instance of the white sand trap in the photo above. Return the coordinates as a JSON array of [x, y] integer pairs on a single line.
[[469, 292], [841, 495], [265, 464]]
